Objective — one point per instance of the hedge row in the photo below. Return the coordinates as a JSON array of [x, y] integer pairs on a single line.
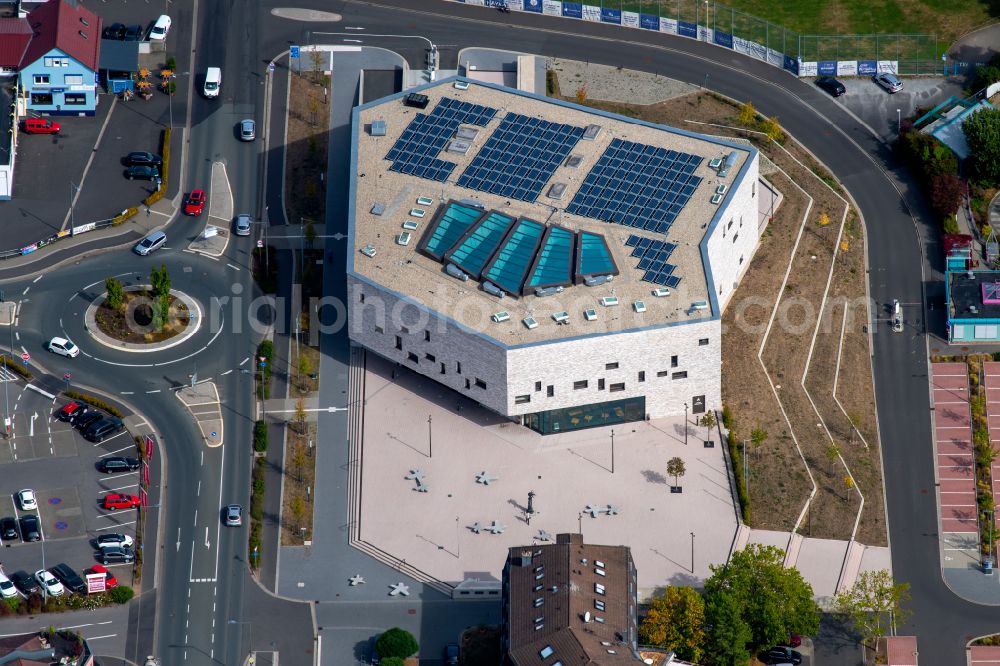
[[94, 401], [124, 216], [19, 368], [164, 170], [735, 456], [256, 512], [260, 437], [266, 351], [35, 604]]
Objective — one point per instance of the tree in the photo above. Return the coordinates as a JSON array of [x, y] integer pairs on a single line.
[[874, 603], [675, 621], [855, 419], [772, 128], [394, 661], [160, 279], [675, 468], [757, 437], [300, 417], [581, 94], [305, 365], [748, 115], [726, 642], [773, 601], [982, 132], [848, 483], [310, 233], [709, 422], [832, 452], [396, 642], [946, 191], [116, 293]]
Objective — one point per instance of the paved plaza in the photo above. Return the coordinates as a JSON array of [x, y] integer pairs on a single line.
[[443, 442]]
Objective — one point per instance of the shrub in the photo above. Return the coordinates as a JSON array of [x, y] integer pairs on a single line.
[[265, 350], [121, 594], [396, 642], [736, 458], [946, 191], [950, 225], [124, 216], [727, 417], [260, 437], [171, 64], [13, 364], [164, 169], [94, 401], [748, 115], [393, 661], [116, 293]]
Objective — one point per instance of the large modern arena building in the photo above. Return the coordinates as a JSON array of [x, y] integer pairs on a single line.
[[562, 266]]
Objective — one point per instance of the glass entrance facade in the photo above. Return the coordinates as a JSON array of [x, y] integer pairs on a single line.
[[587, 416]]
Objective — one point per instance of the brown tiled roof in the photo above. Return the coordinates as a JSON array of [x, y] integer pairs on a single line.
[[576, 631], [68, 26], [15, 35]]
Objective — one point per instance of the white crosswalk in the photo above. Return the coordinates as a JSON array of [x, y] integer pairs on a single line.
[[7, 375]]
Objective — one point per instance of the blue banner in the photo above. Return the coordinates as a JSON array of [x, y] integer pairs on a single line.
[[792, 65], [649, 22], [867, 68], [609, 15], [532, 6], [687, 29], [724, 39], [827, 67], [572, 9]]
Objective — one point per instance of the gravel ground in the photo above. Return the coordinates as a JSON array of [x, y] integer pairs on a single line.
[[615, 85]]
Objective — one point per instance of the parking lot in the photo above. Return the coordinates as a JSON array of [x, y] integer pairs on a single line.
[[51, 458]]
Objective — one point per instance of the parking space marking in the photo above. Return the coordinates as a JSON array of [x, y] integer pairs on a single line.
[[108, 439], [97, 638], [111, 527], [124, 448], [114, 490]]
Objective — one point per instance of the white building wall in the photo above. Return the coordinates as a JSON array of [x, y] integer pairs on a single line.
[[735, 238]]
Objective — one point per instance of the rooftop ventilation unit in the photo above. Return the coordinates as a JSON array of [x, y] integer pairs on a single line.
[[595, 280], [377, 128], [378, 209], [475, 203], [548, 291], [590, 314], [467, 133], [556, 191], [529, 323], [729, 164], [410, 225], [609, 301], [456, 272], [416, 100], [970, 275], [699, 305], [591, 132], [973, 309], [403, 238], [500, 317], [424, 201], [574, 161], [716, 199], [639, 306], [660, 292], [368, 250], [417, 212], [722, 189], [491, 288], [586, 617], [459, 147], [461, 85], [715, 163], [560, 317]]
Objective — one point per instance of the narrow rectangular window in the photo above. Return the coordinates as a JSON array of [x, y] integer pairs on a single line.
[[430, 357], [679, 375], [521, 399], [458, 367], [410, 356], [730, 225], [582, 384], [379, 329], [468, 384], [741, 259], [619, 386], [399, 342], [702, 342], [642, 375], [538, 386], [404, 330], [611, 366], [427, 336], [673, 361], [443, 371], [753, 189], [662, 373], [735, 236], [361, 296], [480, 383], [550, 390], [600, 384]]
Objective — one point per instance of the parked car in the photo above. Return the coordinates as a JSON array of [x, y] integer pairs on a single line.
[[248, 129], [115, 501], [234, 515], [98, 431], [142, 172], [8, 528], [31, 527], [69, 578], [25, 582], [194, 204], [794, 641], [114, 31], [141, 158], [71, 411], [26, 499], [87, 420], [888, 81], [831, 85], [451, 654], [373, 655], [781, 655], [153, 241], [7, 589], [40, 126], [213, 82], [159, 31], [114, 540], [109, 579], [243, 224], [49, 583], [134, 33], [63, 347], [113, 464], [115, 555]]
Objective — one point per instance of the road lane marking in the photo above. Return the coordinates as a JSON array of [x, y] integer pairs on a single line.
[[153, 391], [244, 361], [226, 372], [235, 268], [196, 517]]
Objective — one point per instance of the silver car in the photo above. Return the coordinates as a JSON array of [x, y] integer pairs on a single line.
[[234, 515], [243, 224], [888, 81], [248, 129]]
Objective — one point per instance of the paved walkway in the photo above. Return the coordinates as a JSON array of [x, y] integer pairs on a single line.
[[992, 383], [202, 400], [983, 655], [977, 46]]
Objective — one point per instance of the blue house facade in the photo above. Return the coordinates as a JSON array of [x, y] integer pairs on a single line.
[[58, 72]]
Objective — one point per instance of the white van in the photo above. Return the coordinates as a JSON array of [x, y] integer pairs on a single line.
[[213, 81]]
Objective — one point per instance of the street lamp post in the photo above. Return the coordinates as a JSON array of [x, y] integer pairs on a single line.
[[692, 553], [430, 438], [579, 522], [612, 450], [685, 423], [899, 119]]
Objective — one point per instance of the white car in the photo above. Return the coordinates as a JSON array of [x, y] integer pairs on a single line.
[[159, 31], [114, 541], [49, 582], [63, 347], [7, 589], [26, 498]]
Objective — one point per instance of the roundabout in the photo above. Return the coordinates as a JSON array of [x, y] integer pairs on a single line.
[[134, 327]]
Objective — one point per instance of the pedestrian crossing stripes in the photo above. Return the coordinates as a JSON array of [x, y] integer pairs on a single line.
[[7, 376]]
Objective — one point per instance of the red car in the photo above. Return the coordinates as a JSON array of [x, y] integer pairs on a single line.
[[115, 501], [69, 411], [40, 126], [109, 580], [195, 202]]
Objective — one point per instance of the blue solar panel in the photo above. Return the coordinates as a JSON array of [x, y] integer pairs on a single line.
[[520, 157], [631, 182], [653, 256], [415, 152]]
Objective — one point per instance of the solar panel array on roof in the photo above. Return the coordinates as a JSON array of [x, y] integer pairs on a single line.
[[637, 185], [520, 156], [415, 152], [653, 256]]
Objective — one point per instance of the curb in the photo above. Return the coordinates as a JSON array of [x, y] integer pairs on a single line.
[[132, 347]]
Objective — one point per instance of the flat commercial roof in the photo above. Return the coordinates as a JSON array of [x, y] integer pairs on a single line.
[[527, 161], [974, 298]]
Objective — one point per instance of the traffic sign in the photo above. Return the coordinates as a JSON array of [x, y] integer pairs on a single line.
[[294, 50], [25, 357], [260, 243]]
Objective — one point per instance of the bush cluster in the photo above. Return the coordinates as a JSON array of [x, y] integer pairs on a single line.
[[935, 166], [256, 510], [164, 170], [19, 368], [735, 456], [94, 401], [260, 436], [124, 216], [266, 351], [35, 603]]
